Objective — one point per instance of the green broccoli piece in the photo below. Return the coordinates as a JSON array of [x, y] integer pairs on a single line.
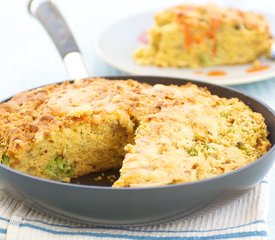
[[204, 59], [244, 148], [193, 152], [59, 167], [5, 160]]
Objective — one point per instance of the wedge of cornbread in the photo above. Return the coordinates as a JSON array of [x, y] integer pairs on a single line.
[[205, 35], [155, 135]]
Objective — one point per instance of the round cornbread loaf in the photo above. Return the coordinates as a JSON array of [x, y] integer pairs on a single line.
[[155, 135]]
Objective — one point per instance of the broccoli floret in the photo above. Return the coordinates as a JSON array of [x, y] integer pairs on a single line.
[[59, 167], [5, 160], [193, 152], [244, 148], [204, 59]]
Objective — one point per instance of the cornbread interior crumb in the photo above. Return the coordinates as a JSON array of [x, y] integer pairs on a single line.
[[156, 135]]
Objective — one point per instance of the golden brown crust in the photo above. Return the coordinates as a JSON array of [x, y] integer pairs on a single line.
[[203, 14], [39, 111]]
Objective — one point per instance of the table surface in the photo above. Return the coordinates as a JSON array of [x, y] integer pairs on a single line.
[[29, 59]]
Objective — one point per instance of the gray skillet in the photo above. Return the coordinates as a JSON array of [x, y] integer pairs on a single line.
[[96, 202]]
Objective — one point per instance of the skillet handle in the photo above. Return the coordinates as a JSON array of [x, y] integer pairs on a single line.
[[51, 19]]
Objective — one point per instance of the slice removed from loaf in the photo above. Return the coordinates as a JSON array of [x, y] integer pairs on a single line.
[[194, 36]]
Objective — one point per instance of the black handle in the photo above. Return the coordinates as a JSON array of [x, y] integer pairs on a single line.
[[52, 20]]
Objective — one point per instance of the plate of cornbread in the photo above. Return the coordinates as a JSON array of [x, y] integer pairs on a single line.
[[211, 43]]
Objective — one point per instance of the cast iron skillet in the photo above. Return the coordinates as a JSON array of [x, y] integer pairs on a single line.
[[85, 200]]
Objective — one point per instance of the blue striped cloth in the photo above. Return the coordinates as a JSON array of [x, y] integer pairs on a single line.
[[240, 217]]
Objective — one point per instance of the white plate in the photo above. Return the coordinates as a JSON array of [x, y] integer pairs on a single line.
[[117, 43]]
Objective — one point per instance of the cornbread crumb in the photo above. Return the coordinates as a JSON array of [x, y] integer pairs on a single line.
[[112, 178], [98, 178]]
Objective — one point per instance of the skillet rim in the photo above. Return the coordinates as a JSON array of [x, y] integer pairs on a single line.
[[135, 77]]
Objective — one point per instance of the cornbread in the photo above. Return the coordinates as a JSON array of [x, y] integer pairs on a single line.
[[156, 135], [205, 35]]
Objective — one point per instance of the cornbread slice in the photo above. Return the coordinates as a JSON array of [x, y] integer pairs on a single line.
[[193, 142], [157, 134], [205, 35]]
